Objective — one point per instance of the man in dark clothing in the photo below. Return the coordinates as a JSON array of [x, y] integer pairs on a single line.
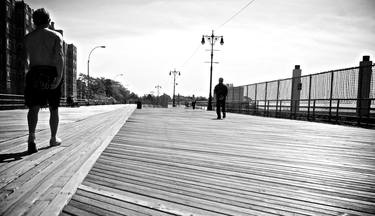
[[45, 57], [193, 102], [220, 92]]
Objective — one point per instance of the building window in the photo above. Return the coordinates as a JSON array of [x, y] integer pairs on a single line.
[[8, 59], [8, 43], [9, 12]]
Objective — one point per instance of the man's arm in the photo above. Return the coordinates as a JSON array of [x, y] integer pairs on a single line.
[[24, 55], [215, 91], [59, 61], [226, 90]]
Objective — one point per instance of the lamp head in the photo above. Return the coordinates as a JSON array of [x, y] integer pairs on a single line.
[[222, 41], [102, 46], [203, 42]]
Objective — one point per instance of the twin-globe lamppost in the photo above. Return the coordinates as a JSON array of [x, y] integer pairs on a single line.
[[114, 78], [212, 40], [88, 70], [174, 72]]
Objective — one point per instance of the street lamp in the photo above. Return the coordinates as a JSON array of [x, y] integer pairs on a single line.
[[174, 84], [88, 69], [212, 40], [117, 76], [158, 87]]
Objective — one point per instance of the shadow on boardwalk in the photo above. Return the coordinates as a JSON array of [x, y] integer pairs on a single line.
[[6, 158]]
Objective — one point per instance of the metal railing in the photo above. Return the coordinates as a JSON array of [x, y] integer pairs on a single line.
[[339, 111], [329, 96]]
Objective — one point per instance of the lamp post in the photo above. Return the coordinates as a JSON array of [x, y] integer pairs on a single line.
[[212, 39], [158, 87], [117, 76], [174, 72], [88, 69], [114, 78]]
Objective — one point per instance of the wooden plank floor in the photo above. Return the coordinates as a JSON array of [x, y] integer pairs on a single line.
[[13, 123], [184, 162], [42, 183]]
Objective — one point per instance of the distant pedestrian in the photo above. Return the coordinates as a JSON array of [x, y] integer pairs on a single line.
[[193, 102], [45, 58], [220, 92]]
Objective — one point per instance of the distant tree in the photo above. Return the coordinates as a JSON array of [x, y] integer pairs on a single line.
[[102, 87]]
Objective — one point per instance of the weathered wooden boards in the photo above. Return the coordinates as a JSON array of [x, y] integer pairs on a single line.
[[42, 183], [183, 162], [13, 122]]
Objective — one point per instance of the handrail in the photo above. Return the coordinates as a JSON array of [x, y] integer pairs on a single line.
[[306, 75]]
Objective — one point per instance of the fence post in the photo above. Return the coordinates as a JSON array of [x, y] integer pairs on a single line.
[[314, 109], [337, 110], [247, 99], [265, 99], [256, 102], [296, 89], [330, 97], [240, 98], [277, 96], [281, 108], [308, 108], [364, 85]]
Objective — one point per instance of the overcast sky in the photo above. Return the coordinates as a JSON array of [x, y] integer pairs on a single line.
[[146, 39]]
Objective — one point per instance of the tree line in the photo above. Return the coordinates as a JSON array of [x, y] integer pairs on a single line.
[[103, 88]]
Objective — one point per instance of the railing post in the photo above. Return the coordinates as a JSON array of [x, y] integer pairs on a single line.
[[265, 99], [314, 109], [255, 99], [337, 110], [277, 96], [241, 96], [296, 89], [281, 106], [330, 97], [234, 100], [308, 108], [247, 99], [364, 85]]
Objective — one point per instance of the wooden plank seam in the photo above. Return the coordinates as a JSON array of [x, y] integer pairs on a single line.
[[160, 207], [71, 186]]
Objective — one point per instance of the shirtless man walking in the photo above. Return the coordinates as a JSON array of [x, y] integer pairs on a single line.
[[45, 57]]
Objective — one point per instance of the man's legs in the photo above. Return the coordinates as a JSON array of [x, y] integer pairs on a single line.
[[53, 121], [218, 109], [54, 124], [32, 121], [32, 118], [223, 109]]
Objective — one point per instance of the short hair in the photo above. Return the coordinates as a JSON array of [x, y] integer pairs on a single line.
[[221, 79], [41, 17]]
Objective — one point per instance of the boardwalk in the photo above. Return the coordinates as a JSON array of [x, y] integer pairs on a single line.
[[43, 183], [183, 162]]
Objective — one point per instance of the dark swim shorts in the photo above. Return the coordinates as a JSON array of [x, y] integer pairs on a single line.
[[35, 95]]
